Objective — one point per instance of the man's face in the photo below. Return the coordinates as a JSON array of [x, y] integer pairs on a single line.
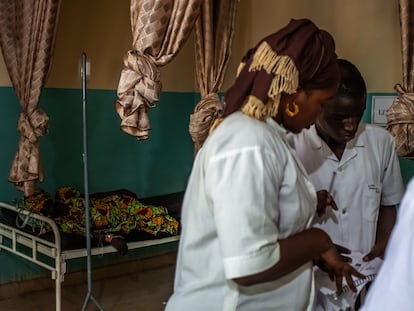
[[340, 118]]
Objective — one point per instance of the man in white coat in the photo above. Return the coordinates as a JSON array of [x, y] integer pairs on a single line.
[[358, 165]]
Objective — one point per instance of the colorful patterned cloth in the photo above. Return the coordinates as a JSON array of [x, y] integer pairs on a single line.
[[118, 211]]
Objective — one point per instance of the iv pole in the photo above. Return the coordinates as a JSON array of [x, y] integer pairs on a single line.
[[89, 295]]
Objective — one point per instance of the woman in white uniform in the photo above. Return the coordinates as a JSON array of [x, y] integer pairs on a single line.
[[246, 242]]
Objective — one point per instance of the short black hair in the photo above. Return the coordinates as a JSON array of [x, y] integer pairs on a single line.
[[352, 84]]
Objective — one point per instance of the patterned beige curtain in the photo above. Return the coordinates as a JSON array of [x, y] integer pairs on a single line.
[[27, 36], [213, 41], [159, 30], [400, 116]]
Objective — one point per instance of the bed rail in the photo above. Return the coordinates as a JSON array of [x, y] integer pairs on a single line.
[[37, 245], [28, 246]]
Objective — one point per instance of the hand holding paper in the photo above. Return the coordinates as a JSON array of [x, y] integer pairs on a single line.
[[346, 298]]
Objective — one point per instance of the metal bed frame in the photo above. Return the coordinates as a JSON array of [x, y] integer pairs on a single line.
[[18, 242]]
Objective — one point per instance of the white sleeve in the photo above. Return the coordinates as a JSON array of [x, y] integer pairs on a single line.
[[244, 186], [393, 286]]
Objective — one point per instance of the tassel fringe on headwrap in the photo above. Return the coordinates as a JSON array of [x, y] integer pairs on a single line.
[[240, 68], [286, 79]]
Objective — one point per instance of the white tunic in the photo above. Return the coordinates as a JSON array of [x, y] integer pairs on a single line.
[[246, 191], [367, 176], [393, 286]]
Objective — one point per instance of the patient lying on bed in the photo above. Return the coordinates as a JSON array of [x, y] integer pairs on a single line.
[[114, 215]]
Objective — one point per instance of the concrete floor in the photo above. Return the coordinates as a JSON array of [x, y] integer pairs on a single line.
[[144, 290]]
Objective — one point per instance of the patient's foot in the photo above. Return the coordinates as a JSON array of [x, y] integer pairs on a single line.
[[118, 242]]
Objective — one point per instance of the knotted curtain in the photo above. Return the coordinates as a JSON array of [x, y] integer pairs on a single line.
[[159, 30], [400, 116], [214, 32], [27, 37]]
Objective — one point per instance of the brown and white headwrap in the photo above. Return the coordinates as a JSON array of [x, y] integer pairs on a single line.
[[300, 55]]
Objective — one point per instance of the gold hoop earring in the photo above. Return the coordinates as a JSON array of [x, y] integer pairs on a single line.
[[291, 113]]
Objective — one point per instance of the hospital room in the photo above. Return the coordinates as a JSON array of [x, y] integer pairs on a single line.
[[130, 130]]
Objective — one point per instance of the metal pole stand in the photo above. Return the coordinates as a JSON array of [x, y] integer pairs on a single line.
[[89, 295]]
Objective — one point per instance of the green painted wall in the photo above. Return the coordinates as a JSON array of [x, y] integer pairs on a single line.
[[116, 160]]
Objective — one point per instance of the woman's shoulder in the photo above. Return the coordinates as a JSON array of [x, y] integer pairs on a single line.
[[247, 128], [307, 137], [239, 131]]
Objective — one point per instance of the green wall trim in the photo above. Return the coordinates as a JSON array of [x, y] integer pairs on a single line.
[[116, 160]]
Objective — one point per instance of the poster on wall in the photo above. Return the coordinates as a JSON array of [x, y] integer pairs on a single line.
[[379, 106]]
